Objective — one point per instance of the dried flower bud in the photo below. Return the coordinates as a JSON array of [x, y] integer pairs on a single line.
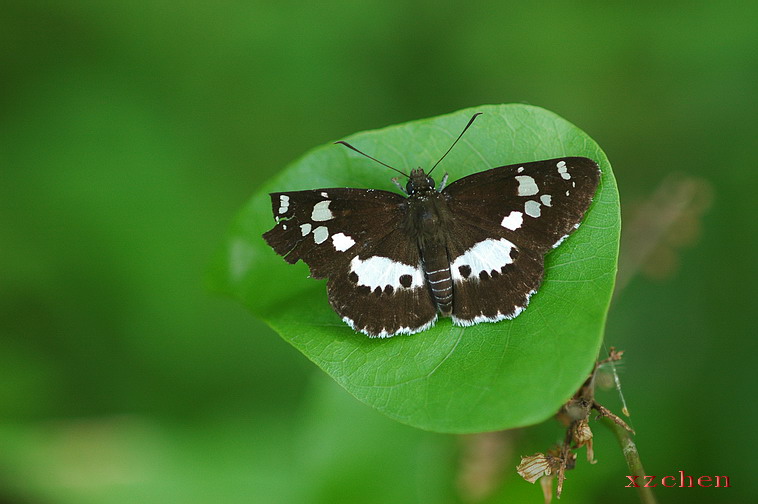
[[582, 436], [534, 467]]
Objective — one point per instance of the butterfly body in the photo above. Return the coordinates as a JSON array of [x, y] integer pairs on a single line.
[[427, 215], [473, 251]]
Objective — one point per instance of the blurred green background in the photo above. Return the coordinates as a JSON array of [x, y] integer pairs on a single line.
[[131, 133]]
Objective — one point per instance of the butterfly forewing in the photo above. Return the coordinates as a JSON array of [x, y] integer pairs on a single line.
[[354, 238], [534, 204], [326, 227]]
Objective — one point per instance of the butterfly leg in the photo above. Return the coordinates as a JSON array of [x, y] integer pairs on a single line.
[[443, 183], [396, 181]]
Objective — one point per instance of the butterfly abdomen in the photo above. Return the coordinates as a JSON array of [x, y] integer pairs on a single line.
[[437, 269]]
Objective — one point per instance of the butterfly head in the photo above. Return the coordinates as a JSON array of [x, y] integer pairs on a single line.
[[419, 182]]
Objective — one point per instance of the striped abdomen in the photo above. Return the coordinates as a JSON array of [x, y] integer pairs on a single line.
[[437, 269]]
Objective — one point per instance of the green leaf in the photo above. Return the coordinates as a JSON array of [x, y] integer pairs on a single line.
[[448, 379]]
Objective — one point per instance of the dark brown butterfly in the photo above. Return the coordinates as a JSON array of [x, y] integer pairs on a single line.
[[473, 250]]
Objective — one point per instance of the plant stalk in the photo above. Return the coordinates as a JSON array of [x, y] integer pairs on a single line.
[[632, 457]]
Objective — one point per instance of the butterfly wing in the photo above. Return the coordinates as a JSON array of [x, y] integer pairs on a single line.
[[504, 221], [356, 239]]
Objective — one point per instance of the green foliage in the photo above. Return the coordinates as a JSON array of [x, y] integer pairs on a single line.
[[131, 132], [448, 379]]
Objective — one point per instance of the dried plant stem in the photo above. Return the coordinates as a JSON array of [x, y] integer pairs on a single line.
[[632, 457]]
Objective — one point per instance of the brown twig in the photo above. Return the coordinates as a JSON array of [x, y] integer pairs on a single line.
[[606, 413]]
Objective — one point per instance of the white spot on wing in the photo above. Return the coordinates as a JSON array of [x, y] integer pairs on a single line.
[[513, 220], [320, 234], [520, 169], [563, 170], [321, 211], [487, 255], [560, 240], [378, 271], [526, 185], [305, 228], [532, 209], [284, 203], [546, 199], [324, 195], [342, 242]]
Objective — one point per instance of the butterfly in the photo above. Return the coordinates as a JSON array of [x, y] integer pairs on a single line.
[[472, 250]]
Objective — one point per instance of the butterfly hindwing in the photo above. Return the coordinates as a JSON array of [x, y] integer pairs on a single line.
[[504, 221], [492, 277], [382, 296], [354, 237]]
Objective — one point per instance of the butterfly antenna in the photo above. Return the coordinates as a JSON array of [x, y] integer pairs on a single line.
[[456, 141], [372, 158]]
